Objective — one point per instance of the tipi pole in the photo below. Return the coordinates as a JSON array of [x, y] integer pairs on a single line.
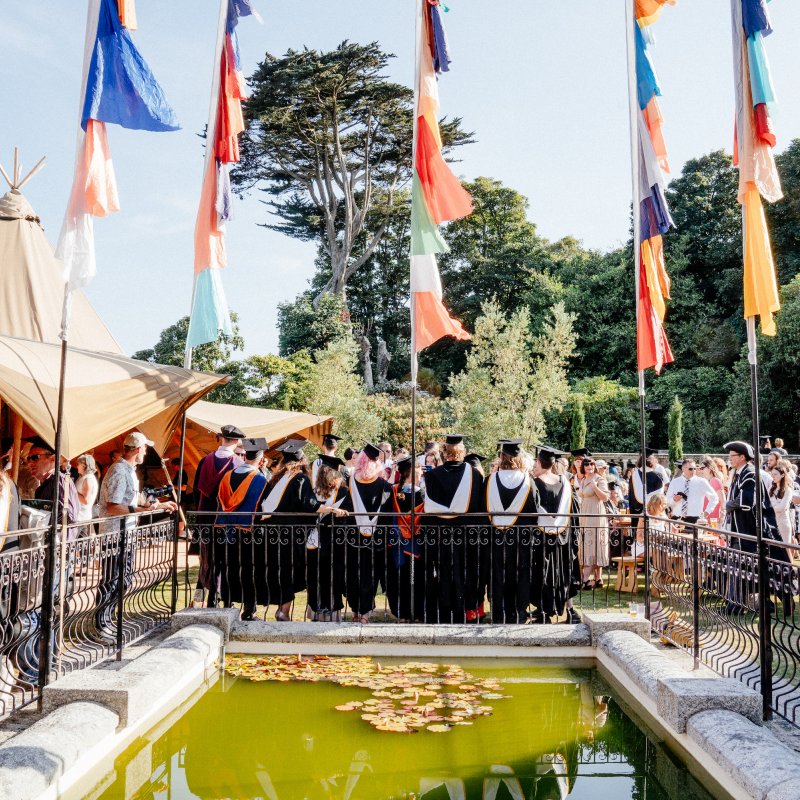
[[633, 108]]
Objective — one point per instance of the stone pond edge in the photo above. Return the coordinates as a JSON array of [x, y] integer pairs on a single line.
[[102, 711]]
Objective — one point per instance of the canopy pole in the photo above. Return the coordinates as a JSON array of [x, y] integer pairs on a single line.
[[634, 112], [17, 449]]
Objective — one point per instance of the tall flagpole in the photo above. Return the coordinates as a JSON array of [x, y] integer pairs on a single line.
[[634, 112]]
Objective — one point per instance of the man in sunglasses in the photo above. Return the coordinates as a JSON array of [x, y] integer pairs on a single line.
[[41, 462], [688, 492]]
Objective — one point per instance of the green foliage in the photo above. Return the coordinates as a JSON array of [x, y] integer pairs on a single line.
[[511, 379], [784, 216], [303, 327], [394, 411], [335, 388], [578, 426], [675, 431]]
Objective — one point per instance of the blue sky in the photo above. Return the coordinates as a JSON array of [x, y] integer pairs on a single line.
[[541, 82]]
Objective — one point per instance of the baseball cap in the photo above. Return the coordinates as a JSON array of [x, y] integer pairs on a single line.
[[137, 439]]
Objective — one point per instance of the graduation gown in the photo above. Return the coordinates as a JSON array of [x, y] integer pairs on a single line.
[[655, 483], [512, 518], [455, 544], [210, 472], [366, 543], [405, 570], [325, 561], [284, 572], [556, 571], [238, 499]]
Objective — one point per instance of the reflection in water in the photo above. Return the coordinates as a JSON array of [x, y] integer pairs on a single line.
[[559, 736]]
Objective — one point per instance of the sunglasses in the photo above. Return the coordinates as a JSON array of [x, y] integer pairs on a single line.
[[37, 456], [240, 453], [691, 469], [588, 464]]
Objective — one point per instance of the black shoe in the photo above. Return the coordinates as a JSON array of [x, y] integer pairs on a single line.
[[573, 617], [248, 614]]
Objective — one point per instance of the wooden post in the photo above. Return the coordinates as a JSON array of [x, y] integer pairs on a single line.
[[17, 447]]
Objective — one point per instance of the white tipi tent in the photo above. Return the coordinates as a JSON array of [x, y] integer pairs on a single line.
[[32, 283]]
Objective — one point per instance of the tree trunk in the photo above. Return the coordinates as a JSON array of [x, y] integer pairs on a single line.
[[383, 359], [366, 363]]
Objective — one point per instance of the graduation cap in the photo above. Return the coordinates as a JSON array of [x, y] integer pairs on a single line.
[[292, 449], [331, 438], [742, 448], [650, 451], [331, 461], [252, 447], [765, 438], [547, 455], [581, 452], [454, 438], [230, 432], [613, 485], [37, 441], [404, 462], [372, 452], [474, 458], [511, 447]]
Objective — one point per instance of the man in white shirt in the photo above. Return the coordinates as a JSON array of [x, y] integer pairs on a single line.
[[687, 494]]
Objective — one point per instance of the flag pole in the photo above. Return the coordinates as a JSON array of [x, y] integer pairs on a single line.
[[633, 109], [222, 21], [414, 363]]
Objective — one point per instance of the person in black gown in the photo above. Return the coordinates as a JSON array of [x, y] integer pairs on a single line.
[[405, 570], [556, 568], [288, 492], [512, 502], [368, 498], [453, 492], [325, 551]]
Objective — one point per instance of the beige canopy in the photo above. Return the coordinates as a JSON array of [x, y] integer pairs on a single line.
[[106, 394], [204, 420], [32, 285]]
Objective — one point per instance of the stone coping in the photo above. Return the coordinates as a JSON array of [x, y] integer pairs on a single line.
[[94, 714]]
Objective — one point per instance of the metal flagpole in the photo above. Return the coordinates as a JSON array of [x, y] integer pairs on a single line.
[[414, 364], [633, 108]]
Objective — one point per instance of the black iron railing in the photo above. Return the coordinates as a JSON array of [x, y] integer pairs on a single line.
[[115, 580]]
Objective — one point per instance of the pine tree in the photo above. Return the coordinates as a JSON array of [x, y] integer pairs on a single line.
[[578, 438], [675, 431]]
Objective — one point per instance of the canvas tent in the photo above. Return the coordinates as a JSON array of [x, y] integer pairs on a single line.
[[204, 420], [106, 394], [32, 285]]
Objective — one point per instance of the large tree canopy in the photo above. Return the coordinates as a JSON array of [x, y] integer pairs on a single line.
[[329, 141]]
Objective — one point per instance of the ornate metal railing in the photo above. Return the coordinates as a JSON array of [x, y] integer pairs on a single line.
[[113, 583]]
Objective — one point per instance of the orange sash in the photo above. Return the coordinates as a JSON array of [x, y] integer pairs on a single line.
[[230, 500]]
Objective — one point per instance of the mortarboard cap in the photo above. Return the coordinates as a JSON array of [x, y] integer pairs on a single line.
[[403, 462], [765, 437], [254, 446], [581, 452], [331, 461], [372, 452], [511, 447], [650, 451], [454, 438], [743, 448], [230, 432], [474, 458], [6, 444], [292, 449], [547, 455], [331, 437]]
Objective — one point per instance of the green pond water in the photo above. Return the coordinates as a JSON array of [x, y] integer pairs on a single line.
[[560, 734]]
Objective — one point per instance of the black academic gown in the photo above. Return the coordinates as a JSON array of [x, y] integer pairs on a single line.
[[366, 550], [325, 563], [284, 570], [456, 546], [511, 551], [556, 570], [654, 484], [405, 567]]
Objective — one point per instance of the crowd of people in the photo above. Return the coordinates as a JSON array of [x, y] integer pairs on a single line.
[[445, 533]]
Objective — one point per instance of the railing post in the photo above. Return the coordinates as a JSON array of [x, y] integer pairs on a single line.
[[764, 627], [646, 561], [121, 557], [173, 606], [695, 597]]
